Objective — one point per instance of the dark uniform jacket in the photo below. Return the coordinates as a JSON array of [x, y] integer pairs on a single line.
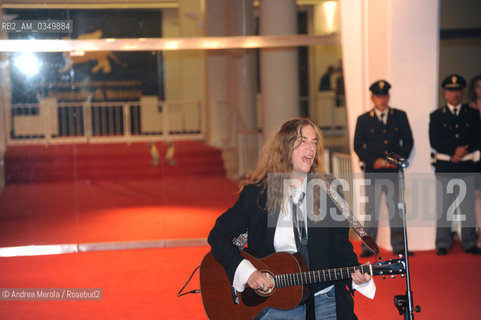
[[373, 139], [328, 247], [447, 132]]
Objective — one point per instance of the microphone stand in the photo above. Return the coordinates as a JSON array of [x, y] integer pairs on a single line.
[[404, 303]]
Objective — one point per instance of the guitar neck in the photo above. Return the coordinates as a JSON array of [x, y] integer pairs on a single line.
[[318, 276]]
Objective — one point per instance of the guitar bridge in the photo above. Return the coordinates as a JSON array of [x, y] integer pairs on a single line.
[[235, 296]]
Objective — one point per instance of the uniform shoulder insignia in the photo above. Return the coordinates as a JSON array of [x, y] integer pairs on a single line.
[[371, 113]]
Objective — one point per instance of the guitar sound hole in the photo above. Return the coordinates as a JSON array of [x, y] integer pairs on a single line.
[[250, 297]]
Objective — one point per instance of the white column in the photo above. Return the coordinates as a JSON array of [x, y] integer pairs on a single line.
[[216, 84], [397, 41], [279, 67], [241, 78], [192, 62], [413, 68], [231, 92]]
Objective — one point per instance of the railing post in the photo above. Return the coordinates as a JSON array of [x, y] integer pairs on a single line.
[[87, 109], [202, 116], [8, 119], [127, 123], [47, 120], [165, 119], [104, 115]]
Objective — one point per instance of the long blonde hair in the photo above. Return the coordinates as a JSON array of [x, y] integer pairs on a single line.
[[276, 158]]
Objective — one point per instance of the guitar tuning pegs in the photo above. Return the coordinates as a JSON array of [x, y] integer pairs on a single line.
[[393, 277], [403, 275], [400, 256], [383, 277]]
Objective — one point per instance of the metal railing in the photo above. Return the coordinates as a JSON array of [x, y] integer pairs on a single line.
[[249, 149], [247, 143], [342, 169], [104, 122]]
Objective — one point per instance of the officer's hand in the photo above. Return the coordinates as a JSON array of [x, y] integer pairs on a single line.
[[461, 151], [380, 163], [455, 159]]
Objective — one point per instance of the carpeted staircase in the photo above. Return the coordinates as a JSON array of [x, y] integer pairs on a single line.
[[61, 163]]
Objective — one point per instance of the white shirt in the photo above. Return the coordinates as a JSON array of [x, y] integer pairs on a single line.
[[284, 242], [383, 118], [451, 108]]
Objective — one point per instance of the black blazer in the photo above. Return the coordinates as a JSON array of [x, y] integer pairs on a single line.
[[329, 247], [373, 139], [447, 132]]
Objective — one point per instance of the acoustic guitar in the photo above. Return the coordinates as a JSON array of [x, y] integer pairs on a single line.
[[287, 271]]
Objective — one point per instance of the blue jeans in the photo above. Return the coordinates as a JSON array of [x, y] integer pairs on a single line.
[[325, 306]]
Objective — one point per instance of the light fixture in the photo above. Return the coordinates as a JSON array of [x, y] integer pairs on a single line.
[[27, 63], [329, 14]]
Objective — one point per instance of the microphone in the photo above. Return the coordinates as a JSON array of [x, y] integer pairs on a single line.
[[396, 159]]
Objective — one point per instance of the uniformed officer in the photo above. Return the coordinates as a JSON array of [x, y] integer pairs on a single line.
[[381, 131], [455, 135]]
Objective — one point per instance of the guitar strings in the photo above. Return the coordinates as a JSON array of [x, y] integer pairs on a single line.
[[309, 277]]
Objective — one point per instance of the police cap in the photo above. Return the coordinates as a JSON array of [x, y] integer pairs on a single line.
[[453, 82], [380, 88]]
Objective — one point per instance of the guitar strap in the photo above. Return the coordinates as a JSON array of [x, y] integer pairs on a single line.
[[241, 240], [348, 215]]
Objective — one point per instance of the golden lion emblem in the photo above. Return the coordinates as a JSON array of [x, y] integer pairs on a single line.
[[101, 57]]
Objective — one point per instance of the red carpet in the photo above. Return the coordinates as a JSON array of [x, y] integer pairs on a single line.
[[446, 287], [142, 284], [51, 213]]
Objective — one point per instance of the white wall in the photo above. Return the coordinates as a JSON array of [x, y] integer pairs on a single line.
[[413, 71], [396, 41], [216, 86]]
